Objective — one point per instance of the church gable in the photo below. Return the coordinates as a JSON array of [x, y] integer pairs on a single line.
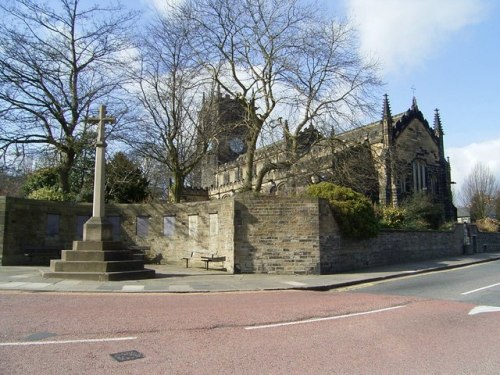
[[408, 118], [416, 141]]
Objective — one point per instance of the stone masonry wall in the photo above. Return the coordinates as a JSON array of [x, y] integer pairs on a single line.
[[39, 226], [177, 230], [487, 242], [266, 234], [276, 235], [29, 225], [389, 247]]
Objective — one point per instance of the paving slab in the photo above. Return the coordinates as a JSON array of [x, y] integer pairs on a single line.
[[175, 279]]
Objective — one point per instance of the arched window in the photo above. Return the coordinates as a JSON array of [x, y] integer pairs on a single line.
[[419, 175]]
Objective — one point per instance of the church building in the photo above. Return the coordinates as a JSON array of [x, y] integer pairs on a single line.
[[388, 160]]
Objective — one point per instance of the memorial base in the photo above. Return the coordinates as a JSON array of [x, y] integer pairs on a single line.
[[99, 261]]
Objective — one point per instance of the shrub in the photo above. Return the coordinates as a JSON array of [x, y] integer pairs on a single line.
[[422, 213], [416, 213], [353, 211], [392, 217], [44, 178], [488, 225], [49, 194]]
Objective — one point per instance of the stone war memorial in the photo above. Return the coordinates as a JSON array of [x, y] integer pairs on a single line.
[[98, 256]]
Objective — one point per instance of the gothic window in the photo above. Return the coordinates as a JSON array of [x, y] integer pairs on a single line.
[[419, 176], [404, 184], [434, 185]]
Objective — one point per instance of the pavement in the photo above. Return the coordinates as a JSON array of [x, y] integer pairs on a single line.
[[175, 279]]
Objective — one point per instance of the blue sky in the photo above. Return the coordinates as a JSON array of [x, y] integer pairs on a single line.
[[447, 51]]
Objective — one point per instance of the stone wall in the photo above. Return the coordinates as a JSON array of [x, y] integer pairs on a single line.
[[389, 247], [172, 230], [177, 230], [481, 242], [266, 234], [488, 242], [276, 235], [38, 226]]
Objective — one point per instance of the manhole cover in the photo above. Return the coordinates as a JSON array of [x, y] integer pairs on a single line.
[[127, 356]]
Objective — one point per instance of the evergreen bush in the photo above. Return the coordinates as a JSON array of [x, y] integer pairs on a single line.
[[352, 210], [49, 194]]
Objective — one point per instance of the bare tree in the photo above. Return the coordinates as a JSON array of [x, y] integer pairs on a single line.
[[170, 92], [479, 191], [55, 63], [281, 58]]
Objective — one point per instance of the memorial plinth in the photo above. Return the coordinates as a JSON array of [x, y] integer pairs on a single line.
[[98, 257]]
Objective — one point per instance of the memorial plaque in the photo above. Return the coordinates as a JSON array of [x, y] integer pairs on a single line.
[[168, 226]]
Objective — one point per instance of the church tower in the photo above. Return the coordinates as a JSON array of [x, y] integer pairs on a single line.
[[228, 116]]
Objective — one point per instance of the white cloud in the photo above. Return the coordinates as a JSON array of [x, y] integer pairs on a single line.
[[162, 6], [464, 159], [402, 34]]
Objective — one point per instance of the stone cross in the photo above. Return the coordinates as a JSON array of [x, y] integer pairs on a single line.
[[97, 228], [100, 162]]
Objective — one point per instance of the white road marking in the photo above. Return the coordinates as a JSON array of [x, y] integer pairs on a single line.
[[484, 309], [132, 288], [479, 289], [27, 343], [294, 283], [323, 319]]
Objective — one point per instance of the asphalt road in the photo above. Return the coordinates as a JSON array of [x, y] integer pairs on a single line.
[[367, 331], [478, 284]]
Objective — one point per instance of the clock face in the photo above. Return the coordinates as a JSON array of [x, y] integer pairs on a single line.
[[236, 145]]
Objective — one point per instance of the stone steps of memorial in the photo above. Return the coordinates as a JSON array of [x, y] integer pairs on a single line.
[[96, 255], [96, 266], [103, 276]]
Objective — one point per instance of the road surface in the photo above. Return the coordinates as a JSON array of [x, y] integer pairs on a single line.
[[363, 331]]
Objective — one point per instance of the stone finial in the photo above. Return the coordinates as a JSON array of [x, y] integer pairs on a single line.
[[438, 127], [386, 110], [414, 105]]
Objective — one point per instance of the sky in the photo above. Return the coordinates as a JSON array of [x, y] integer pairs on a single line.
[[445, 53]]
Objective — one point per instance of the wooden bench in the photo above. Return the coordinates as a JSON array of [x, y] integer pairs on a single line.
[[203, 257], [212, 258]]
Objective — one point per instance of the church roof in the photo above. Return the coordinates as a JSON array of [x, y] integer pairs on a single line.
[[373, 132]]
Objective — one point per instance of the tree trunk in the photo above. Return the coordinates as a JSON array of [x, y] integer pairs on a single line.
[[67, 163], [177, 187], [253, 135]]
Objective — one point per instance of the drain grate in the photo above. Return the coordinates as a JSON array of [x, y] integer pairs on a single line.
[[127, 356]]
